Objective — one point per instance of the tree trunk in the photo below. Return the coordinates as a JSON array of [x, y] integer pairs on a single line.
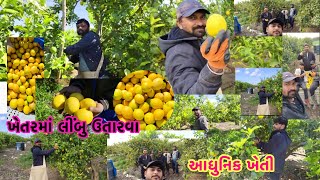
[[63, 27]]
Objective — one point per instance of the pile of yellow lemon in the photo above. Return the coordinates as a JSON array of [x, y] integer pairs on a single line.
[[144, 96], [25, 63], [75, 105]]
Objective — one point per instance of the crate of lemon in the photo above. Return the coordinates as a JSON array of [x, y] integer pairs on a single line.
[[75, 105], [25, 61], [146, 97]]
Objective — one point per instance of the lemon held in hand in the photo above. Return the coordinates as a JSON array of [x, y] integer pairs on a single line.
[[215, 23]]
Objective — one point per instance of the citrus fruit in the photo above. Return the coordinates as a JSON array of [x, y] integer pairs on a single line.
[[215, 23]]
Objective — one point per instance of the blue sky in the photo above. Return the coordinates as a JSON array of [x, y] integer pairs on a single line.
[[3, 126], [255, 75]]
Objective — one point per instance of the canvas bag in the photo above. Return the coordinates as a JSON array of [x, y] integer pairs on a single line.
[[263, 109], [39, 172], [91, 74]]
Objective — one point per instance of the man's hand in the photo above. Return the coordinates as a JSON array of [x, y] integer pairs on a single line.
[[69, 90], [56, 146], [301, 53], [96, 110], [216, 51]]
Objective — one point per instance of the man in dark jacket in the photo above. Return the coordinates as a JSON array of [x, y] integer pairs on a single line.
[[87, 51], [38, 153], [277, 145], [201, 121], [191, 67], [263, 95], [175, 157], [265, 17], [292, 15], [162, 158], [306, 56], [143, 161], [292, 105]]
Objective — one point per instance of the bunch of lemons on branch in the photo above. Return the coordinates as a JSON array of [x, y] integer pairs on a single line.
[[25, 64], [146, 97]]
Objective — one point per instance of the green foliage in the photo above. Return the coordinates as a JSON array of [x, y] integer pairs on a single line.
[[237, 144], [256, 52], [243, 86], [313, 155], [9, 140], [46, 89], [307, 14], [224, 108], [274, 84], [73, 157]]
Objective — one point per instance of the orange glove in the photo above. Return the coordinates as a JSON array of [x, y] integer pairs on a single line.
[[216, 51]]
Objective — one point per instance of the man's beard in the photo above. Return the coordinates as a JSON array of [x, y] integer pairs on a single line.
[[82, 32], [291, 94], [199, 31]]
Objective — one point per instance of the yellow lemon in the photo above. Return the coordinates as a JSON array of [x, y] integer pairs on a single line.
[[13, 103], [127, 113], [27, 110], [117, 95], [79, 96], [72, 105], [157, 83], [145, 107], [58, 101], [158, 114], [160, 123], [87, 102], [149, 118], [84, 115], [138, 114], [139, 98], [150, 127], [156, 103], [215, 23], [118, 109]]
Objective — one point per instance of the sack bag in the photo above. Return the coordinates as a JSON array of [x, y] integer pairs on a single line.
[[39, 172], [91, 74], [263, 109]]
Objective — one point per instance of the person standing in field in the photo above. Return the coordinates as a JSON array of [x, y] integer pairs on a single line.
[[175, 157], [265, 17], [300, 74], [292, 15], [201, 122], [315, 72], [263, 107], [168, 160], [307, 56], [143, 161], [277, 145]]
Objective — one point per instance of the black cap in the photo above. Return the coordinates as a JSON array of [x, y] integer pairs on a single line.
[[195, 109], [281, 120], [276, 20], [263, 86], [157, 164], [37, 140]]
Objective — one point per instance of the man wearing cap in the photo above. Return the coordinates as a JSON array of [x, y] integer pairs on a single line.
[[265, 17], [307, 56], [277, 145], [38, 172], [292, 105], [193, 67], [315, 72], [300, 79], [263, 107], [143, 161], [201, 122], [154, 170], [275, 27], [292, 15]]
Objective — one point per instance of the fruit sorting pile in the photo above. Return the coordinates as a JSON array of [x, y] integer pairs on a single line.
[[25, 63], [75, 105], [144, 96]]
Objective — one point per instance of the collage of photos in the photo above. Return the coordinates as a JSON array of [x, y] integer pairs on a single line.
[[159, 90]]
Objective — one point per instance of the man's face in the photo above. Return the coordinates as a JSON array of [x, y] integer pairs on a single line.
[[153, 173], [274, 29], [82, 28], [301, 66], [277, 126], [174, 148], [306, 48], [197, 113], [145, 152], [289, 89], [39, 144], [194, 24], [265, 10]]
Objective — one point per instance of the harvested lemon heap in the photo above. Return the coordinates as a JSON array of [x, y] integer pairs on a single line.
[[75, 105], [25, 64], [144, 96], [215, 23]]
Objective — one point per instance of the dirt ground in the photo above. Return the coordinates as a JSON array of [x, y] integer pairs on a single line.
[[249, 109], [11, 170]]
